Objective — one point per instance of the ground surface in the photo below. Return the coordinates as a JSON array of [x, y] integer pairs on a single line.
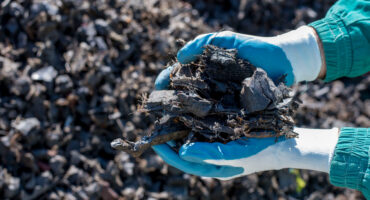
[[72, 73]]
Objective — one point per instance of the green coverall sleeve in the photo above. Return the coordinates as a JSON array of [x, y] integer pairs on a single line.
[[345, 34], [350, 166]]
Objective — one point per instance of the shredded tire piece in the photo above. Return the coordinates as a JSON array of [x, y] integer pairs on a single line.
[[218, 98]]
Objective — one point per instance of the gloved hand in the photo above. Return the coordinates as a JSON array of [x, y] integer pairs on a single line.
[[296, 54], [313, 149]]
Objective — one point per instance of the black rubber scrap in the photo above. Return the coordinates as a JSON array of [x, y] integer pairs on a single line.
[[259, 92], [218, 98]]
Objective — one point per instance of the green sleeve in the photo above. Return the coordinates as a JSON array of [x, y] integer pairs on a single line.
[[350, 166], [345, 34]]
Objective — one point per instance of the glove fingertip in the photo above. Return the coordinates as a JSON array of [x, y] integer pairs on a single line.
[[188, 54], [163, 79], [168, 155], [161, 84]]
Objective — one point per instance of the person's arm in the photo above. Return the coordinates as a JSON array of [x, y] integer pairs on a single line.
[[345, 36]]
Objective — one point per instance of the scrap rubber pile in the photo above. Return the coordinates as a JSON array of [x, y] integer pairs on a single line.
[[218, 98], [72, 73]]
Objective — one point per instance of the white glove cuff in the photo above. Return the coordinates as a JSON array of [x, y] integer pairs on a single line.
[[302, 50], [313, 149]]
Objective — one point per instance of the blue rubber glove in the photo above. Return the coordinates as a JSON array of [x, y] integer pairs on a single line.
[[295, 53], [313, 150], [260, 53], [285, 54]]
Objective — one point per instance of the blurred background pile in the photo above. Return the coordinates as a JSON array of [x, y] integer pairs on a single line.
[[72, 73]]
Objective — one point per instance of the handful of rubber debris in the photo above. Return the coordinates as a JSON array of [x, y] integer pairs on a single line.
[[218, 98]]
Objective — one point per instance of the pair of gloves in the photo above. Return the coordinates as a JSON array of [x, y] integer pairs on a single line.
[[297, 54]]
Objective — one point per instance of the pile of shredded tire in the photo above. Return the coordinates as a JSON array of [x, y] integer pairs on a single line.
[[72, 73], [219, 98]]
